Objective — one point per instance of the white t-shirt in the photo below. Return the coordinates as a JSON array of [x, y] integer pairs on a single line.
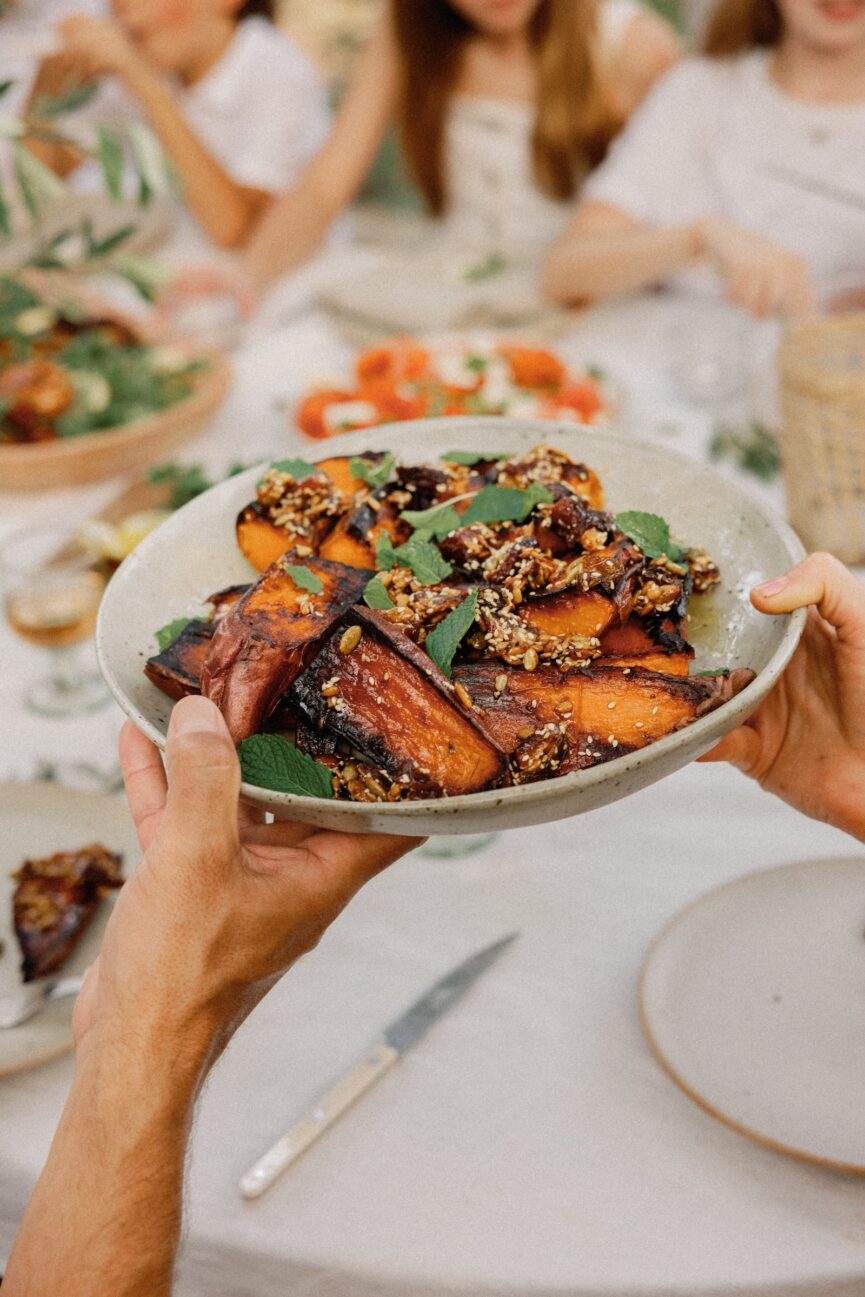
[[261, 111], [494, 201], [719, 137]]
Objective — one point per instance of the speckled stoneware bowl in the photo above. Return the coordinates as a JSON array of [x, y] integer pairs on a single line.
[[194, 553]]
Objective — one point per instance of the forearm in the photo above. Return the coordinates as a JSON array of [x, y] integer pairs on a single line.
[[290, 231], [106, 1213], [225, 209], [594, 266]]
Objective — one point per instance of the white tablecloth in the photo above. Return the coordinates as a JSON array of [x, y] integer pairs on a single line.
[[530, 1144]]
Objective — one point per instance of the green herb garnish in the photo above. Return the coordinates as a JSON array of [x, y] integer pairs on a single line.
[[424, 559], [374, 474], [442, 643], [651, 533], [376, 596], [166, 635], [505, 504], [296, 468], [385, 554], [269, 761], [751, 447], [436, 522], [304, 579]]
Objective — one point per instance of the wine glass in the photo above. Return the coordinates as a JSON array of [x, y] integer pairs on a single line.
[[51, 596]]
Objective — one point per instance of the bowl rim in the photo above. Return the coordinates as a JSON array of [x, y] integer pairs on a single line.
[[543, 790]]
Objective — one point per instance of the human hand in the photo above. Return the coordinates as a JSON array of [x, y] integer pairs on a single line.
[[759, 276], [221, 904], [806, 741], [96, 47]]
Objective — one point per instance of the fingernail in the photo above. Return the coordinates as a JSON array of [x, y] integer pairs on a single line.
[[195, 715], [769, 588]]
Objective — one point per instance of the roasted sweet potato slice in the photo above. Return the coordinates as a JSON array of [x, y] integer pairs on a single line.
[[353, 540], [637, 635], [338, 470], [377, 691], [666, 663], [177, 669], [270, 635], [260, 540], [624, 706], [570, 613]]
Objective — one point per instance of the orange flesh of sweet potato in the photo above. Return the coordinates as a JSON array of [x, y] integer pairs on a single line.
[[337, 469], [666, 664], [569, 613], [645, 704], [411, 723], [354, 538], [268, 637], [260, 540]]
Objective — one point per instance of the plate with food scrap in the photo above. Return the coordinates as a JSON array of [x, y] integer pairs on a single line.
[[455, 625], [68, 849]]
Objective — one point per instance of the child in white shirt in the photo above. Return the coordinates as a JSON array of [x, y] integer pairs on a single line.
[[750, 161], [236, 106]]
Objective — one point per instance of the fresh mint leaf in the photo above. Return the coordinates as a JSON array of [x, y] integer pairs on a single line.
[[166, 635], [376, 596], [469, 457], [425, 560], [304, 579], [269, 761], [385, 554], [436, 522], [651, 533], [296, 468], [505, 504], [442, 643], [373, 473]]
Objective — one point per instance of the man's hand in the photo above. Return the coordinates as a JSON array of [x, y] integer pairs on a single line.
[[806, 741], [221, 903], [759, 276]]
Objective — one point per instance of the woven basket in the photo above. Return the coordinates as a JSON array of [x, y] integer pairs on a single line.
[[822, 368]]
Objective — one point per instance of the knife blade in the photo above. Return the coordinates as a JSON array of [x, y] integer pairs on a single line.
[[398, 1037]]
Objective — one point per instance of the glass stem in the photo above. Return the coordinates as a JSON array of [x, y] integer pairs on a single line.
[[66, 668]]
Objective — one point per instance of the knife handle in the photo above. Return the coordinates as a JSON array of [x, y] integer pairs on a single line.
[[329, 1107]]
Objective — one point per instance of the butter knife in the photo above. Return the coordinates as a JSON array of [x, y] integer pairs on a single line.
[[397, 1038]]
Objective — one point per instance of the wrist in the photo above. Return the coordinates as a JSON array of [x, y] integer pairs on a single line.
[[696, 236]]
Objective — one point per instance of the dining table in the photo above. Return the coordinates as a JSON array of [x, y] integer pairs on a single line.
[[530, 1144]]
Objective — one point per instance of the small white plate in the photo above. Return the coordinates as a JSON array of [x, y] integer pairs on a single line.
[[39, 819], [752, 1000]]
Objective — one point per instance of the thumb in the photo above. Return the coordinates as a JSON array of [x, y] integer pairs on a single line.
[[203, 775], [819, 580]]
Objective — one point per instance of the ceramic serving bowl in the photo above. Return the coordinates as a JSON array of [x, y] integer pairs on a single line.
[[194, 553]]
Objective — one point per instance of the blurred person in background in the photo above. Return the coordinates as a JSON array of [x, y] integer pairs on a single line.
[[235, 104], [25, 27], [749, 161], [503, 108]]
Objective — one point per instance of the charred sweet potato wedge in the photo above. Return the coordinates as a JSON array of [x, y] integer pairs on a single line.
[[270, 635], [353, 540], [665, 663], [260, 540], [570, 613], [177, 669], [625, 706], [382, 695], [338, 470]]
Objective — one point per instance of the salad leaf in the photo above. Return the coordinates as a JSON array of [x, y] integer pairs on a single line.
[[167, 634], [385, 554], [304, 579], [505, 504], [373, 473], [296, 468], [435, 522], [425, 560], [470, 457], [442, 643], [376, 596], [651, 533], [269, 761]]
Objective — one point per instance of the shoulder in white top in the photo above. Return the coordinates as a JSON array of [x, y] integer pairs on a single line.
[[719, 137]]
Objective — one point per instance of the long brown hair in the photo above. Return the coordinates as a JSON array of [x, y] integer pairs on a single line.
[[737, 25], [575, 119], [257, 9]]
